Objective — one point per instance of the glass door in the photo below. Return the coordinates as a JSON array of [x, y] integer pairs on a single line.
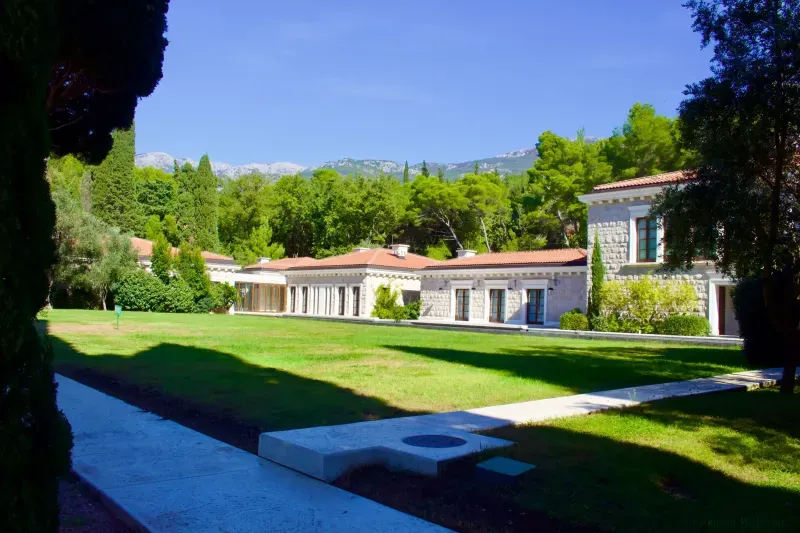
[[462, 304], [535, 306], [497, 305]]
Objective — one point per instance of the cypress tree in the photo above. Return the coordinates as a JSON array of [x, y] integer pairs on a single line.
[[184, 177], [475, 168], [425, 171], [205, 206], [440, 174], [114, 184], [161, 258], [405, 173], [598, 278]]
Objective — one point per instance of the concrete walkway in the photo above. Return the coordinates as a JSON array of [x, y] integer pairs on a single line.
[[327, 452], [159, 476]]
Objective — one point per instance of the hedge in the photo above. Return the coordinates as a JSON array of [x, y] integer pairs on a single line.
[[688, 325], [141, 291], [574, 321]]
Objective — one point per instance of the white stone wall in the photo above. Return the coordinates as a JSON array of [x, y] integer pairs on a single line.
[[569, 291], [612, 224]]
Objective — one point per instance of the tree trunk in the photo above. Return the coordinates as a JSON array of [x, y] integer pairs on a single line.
[[788, 378], [485, 237], [103, 298]]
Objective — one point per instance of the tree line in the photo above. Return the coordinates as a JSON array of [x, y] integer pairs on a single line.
[[253, 215]]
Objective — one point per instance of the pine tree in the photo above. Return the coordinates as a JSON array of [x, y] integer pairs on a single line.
[[598, 278], [205, 206], [424, 170], [161, 258], [475, 168], [405, 173], [114, 184], [440, 174]]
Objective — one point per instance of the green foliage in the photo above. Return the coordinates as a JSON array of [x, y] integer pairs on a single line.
[[440, 174], [178, 297], [438, 251], [647, 144], [225, 295], [565, 169], [638, 305], [152, 228], [762, 344], [191, 268], [161, 258], [574, 321], [140, 291], [424, 171], [156, 193], [169, 227], [386, 305], [206, 217], [114, 185], [743, 121], [292, 227], [405, 173], [598, 271], [67, 173], [412, 310], [687, 325]]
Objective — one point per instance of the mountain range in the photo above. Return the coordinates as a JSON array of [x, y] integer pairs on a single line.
[[507, 163]]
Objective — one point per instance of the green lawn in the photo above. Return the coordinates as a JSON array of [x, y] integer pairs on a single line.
[[721, 462], [278, 373]]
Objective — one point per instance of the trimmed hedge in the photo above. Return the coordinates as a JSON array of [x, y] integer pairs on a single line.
[[141, 291], [574, 321], [688, 325], [761, 342], [178, 297]]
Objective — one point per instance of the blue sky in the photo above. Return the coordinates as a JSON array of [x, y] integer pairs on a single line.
[[442, 80]]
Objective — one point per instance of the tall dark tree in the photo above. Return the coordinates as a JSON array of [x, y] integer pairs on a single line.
[[405, 173], [206, 215], [440, 174], [598, 277], [114, 184], [76, 70], [425, 172], [744, 121]]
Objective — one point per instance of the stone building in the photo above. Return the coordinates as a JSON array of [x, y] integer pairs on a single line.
[[345, 285], [632, 244], [524, 288]]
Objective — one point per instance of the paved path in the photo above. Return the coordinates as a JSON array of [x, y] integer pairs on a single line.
[[327, 452], [162, 477]]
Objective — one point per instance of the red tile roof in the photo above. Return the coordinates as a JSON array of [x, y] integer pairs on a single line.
[[562, 257], [647, 181], [282, 264], [375, 257], [144, 248]]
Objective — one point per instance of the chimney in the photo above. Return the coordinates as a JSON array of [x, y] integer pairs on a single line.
[[463, 254], [263, 260], [400, 250], [359, 249]]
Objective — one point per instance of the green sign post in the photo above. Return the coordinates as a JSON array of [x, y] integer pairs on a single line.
[[117, 311]]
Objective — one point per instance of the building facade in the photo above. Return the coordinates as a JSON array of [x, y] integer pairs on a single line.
[[522, 288], [632, 245]]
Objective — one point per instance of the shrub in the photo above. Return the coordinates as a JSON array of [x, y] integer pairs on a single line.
[[140, 291], [689, 325], [639, 305], [225, 295], [204, 305], [575, 321], [761, 341], [413, 310], [178, 297]]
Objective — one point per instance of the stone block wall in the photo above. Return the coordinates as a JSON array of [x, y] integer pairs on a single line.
[[612, 224], [569, 293], [435, 302]]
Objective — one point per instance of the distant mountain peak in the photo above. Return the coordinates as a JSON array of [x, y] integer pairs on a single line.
[[508, 163]]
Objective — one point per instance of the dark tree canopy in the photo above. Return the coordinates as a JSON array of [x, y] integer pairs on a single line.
[[744, 121], [109, 54]]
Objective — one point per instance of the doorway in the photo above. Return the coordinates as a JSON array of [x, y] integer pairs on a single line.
[[726, 316]]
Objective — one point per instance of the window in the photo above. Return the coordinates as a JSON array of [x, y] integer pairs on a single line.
[[535, 313], [292, 297], [341, 293], [462, 304], [497, 305], [646, 240], [356, 300], [304, 298]]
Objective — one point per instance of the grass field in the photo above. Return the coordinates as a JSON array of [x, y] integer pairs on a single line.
[[720, 462], [278, 373]]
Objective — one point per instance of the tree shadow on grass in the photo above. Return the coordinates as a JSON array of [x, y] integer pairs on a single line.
[[217, 393], [592, 475], [593, 368]]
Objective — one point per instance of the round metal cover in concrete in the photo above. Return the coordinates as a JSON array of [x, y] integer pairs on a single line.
[[434, 441]]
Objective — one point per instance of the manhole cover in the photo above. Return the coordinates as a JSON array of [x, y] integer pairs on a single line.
[[434, 441]]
